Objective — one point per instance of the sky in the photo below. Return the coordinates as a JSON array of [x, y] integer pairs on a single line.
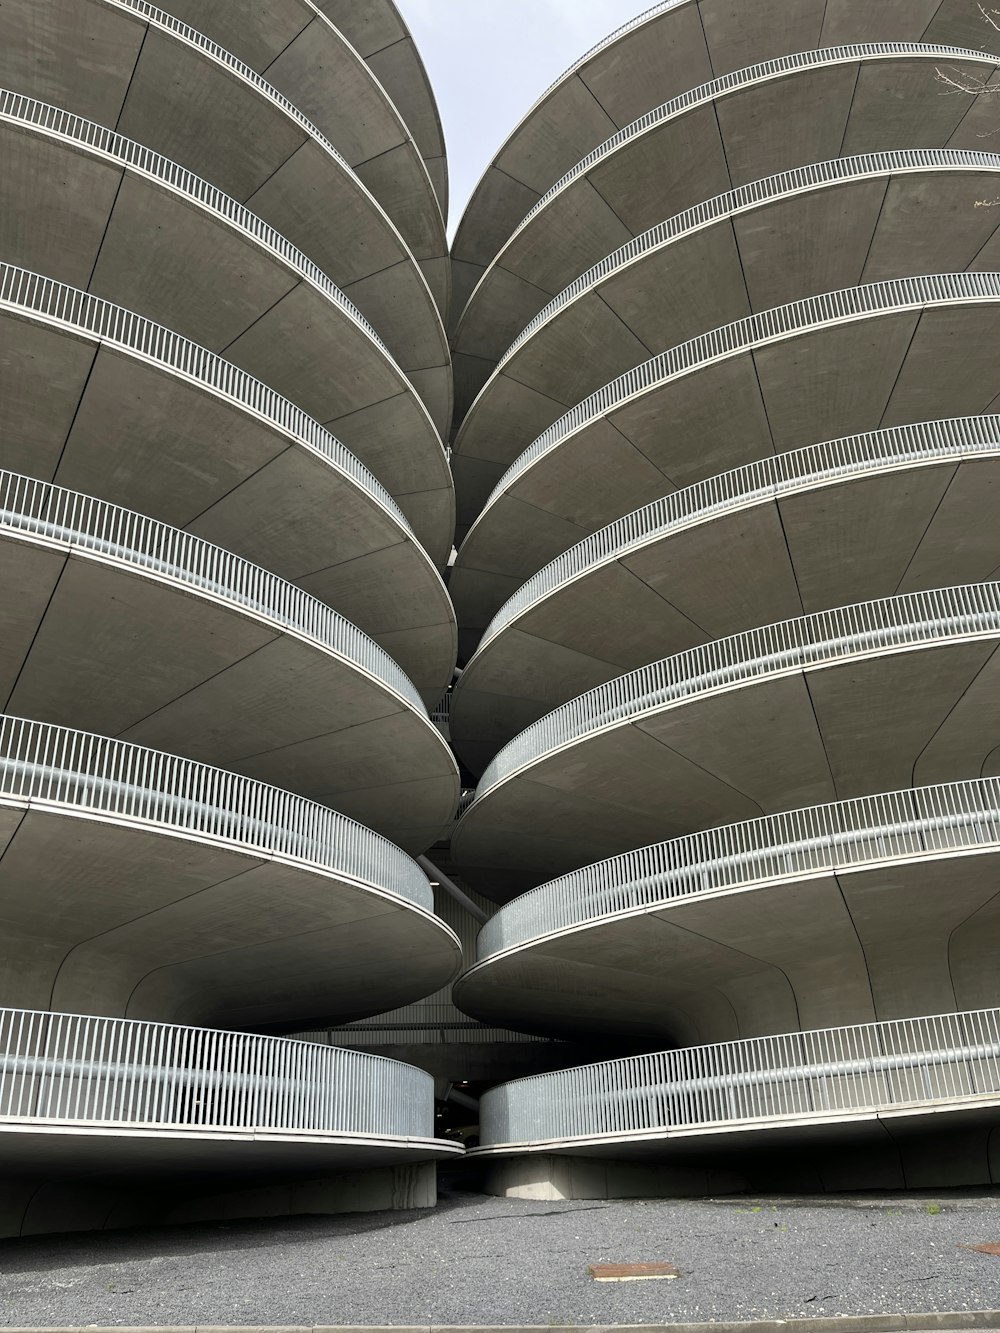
[[489, 60]]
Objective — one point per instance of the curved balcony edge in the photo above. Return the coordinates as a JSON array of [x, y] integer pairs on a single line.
[[847, 305], [893, 448], [905, 622], [44, 766], [917, 823], [925, 1065]]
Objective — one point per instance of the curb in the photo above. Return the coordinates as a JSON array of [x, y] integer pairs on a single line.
[[932, 1321]]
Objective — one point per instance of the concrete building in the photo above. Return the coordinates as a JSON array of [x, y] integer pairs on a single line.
[[723, 316], [725, 341], [225, 507]]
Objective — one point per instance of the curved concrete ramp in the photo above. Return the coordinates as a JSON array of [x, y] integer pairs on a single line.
[[95, 210], [121, 408], [660, 54], [814, 229], [82, 1094], [923, 1093], [860, 359], [852, 912], [301, 54], [126, 627], [870, 697], [140, 884], [377, 31], [871, 515], [717, 137], [161, 83]]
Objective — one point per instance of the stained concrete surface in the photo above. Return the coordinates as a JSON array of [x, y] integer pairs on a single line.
[[497, 1261]]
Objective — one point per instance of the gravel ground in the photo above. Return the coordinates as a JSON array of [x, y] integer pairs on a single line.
[[482, 1260]]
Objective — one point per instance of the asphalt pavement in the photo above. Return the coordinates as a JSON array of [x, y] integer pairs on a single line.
[[481, 1260]]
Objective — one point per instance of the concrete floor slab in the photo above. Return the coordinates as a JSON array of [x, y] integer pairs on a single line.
[[146, 655], [255, 147], [133, 431], [162, 252], [726, 136], [112, 912], [661, 55], [796, 380], [835, 225], [613, 773]]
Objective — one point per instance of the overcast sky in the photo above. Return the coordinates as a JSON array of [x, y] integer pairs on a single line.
[[488, 61]]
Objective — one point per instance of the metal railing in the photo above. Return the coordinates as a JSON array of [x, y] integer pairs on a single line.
[[52, 766], [741, 78], [908, 620], [769, 189], [890, 449], [893, 826], [192, 37], [41, 511], [71, 1069], [27, 293], [870, 1067], [743, 335], [51, 120]]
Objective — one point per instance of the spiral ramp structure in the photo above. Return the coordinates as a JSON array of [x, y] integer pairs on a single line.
[[225, 507], [724, 327]]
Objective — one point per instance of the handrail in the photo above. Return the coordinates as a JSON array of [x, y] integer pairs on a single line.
[[72, 1069], [40, 510], [893, 826], [62, 768], [24, 291], [783, 184], [740, 78], [870, 1067], [743, 335], [49, 119], [908, 620], [766, 479]]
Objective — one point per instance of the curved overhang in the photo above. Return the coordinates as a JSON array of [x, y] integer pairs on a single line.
[[814, 229], [853, 912], [167, 86], [871, 697], [127, 627], [810, 107], [871, 515], [860, 359], [377, 32], [83, 1094], [658, 55], [88, 207], [909, 1077], [106, 402], [141, 884], [313, 63]]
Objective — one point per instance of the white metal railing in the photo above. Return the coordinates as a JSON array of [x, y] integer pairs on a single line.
[[28, 293], [743, 335], [767, 190], [870, 1067], [892, 448], [54, 766], [741, 78], [71, 1069], [44, 512], [909, 620], [916, 822], [51, 120]]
